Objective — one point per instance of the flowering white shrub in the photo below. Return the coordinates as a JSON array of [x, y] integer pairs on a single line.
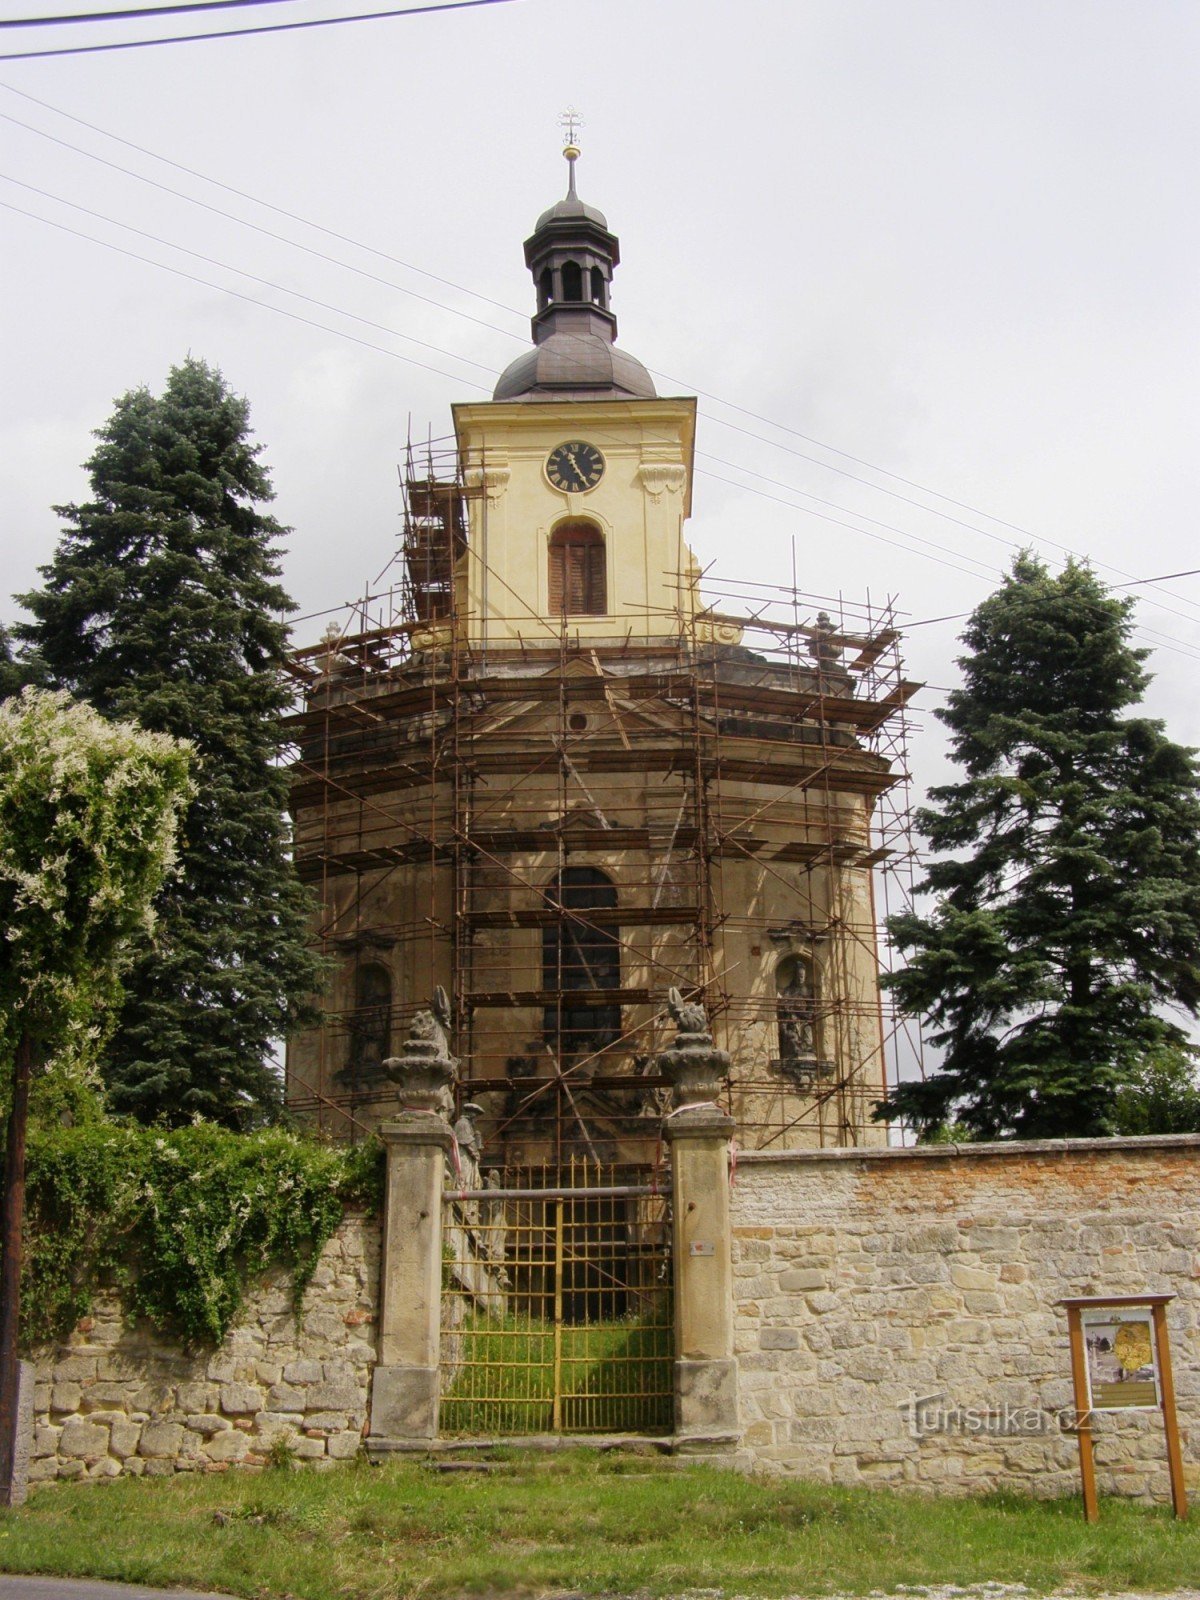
[[88, 816]]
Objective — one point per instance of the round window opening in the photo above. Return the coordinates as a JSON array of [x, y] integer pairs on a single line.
[[577, 722]]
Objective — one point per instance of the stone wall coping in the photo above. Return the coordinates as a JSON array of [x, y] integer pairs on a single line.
[[1001, 1148]]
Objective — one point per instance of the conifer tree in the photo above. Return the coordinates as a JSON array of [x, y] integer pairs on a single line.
[[1064, 938], [161, 606]]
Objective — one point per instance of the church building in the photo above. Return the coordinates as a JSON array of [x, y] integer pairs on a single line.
[[553, 779]]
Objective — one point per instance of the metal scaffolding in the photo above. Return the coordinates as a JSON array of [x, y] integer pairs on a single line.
[[559, 829]]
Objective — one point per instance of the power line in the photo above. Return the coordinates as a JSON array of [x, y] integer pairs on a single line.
[[255, 227], [280, 211], [294, 316], [904, 540], [708, 416], [241, 33], [137, 11], [268, 283]]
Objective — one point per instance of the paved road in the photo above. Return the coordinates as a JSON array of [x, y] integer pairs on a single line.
[[12, 1588]]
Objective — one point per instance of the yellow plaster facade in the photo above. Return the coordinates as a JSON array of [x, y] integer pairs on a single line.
[[640, 506]]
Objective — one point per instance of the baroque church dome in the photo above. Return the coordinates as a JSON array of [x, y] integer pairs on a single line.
[[571, 254]]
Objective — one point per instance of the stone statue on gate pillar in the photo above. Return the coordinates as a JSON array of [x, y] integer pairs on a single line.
[[696, 1069], [425, 1070]]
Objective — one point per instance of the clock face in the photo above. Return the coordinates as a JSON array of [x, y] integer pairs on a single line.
[[575, 467]]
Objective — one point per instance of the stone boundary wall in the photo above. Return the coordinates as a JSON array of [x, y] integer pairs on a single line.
[[866, 1280], [116, 1397]]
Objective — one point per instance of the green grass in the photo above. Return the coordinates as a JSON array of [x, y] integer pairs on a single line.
[[619, 1524], [616, 1377]]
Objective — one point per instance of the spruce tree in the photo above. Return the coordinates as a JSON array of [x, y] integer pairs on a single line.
[[1064, 939], [161, 606]]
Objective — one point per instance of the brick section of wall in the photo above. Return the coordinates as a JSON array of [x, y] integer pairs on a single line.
[[117, 1398], [867, 1279]]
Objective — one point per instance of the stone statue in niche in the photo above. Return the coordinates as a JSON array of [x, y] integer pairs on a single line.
[[794, 1010]]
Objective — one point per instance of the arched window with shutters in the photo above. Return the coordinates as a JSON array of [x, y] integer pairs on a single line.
[[578, 585]]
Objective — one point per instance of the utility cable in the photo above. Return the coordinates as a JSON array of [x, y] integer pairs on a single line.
[[708, 416], [1167, 640], [280, 211], [241, 33], [280, 311], [268, 283], [280, 238], [135, 12]]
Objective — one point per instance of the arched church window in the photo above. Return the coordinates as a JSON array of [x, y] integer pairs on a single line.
[[795, 1009], [578, 585], [597, 286], [572, 280], [545, 288], [370, 1023], [580, 957]]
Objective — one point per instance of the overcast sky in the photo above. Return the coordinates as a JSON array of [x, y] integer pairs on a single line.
[[955, 241]]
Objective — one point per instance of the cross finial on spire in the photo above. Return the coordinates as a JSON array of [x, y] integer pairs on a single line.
[[570, 121]]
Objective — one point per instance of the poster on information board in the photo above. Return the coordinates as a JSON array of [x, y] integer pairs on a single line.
[[1122, 1370]]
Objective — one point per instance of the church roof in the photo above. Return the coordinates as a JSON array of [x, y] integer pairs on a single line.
[[572, 254]]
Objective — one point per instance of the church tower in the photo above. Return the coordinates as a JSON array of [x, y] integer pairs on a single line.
[[548, 777]]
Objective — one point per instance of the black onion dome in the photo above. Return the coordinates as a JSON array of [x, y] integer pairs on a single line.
[[572, 254]]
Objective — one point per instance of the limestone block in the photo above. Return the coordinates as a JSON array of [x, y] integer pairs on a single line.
[[303, 1372], [344, 1446], [86, 1441], [75, 1368], [287, 1397], [798, 1279], [44, 1469], [327, 1421], [241, 1399], [107, 1468], [104, 1397], [65, 1396], [404, 1402], [706, 1395], [124, 1437], [340, 1394], [779, 1339], [207, 1423], [160, 1467], [160, 1440], [196, 1396], [308, 1449], [45, 1440], [232, 1445], [268, 1372]]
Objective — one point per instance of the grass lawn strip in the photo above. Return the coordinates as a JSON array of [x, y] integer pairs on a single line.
[[609, 1525]]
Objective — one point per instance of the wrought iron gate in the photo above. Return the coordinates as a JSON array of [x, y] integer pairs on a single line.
[[557, 1311]]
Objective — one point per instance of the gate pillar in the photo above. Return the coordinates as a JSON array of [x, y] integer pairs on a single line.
[[699, 1133], [404, 1388]]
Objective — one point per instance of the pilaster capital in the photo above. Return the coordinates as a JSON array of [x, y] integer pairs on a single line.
[[662, 477], [493, 480]]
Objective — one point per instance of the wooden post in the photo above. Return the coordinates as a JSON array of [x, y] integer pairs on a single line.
[[12, 1491], [1083, 1415], [1166, 1383]]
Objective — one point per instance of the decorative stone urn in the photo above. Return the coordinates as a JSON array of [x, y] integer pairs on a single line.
[[424, 1070], [696, 1069]]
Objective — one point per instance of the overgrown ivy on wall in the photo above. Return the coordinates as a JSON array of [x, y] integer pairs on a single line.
[[178, 1220]]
